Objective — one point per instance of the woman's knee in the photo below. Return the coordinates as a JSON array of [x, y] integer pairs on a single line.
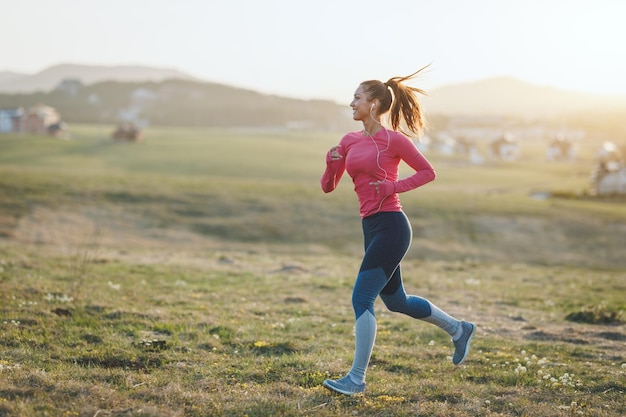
[[394, 304], [361, 303], [368, 285]]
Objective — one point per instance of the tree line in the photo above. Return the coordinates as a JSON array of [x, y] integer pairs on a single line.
[[183, 103]]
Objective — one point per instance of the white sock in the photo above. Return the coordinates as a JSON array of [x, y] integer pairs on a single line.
[[457, 335], [365, 330], [445, 321]]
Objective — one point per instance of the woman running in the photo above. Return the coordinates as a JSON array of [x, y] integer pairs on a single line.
[[372, 157]]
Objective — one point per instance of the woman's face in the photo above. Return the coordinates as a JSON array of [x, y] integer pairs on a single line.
[[361, 105]]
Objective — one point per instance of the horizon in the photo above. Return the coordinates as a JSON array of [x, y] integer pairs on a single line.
[[322, 50], [451, 84]]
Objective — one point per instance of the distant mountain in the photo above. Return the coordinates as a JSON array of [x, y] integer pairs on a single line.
[[176, 102], [510, 96], [493, 96], [7, 76], [49, 78]]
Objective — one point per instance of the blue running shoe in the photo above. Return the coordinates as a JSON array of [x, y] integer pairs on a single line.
[[344, 386]]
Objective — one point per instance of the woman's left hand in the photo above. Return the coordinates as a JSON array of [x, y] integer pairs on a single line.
[[384, 188]]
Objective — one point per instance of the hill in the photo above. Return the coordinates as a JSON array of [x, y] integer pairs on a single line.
[[163, 96], [506, 96], [178, 102], [49, 78], [8, 76]]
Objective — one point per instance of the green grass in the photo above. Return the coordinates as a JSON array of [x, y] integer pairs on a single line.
[[204, 273]]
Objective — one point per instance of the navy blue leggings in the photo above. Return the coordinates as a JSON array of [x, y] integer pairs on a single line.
[[387, 237]]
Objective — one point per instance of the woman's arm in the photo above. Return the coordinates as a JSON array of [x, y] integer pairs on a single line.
[[335, 167], [424, 171]]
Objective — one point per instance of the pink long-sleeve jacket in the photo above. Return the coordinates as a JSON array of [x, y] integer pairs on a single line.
[[370, 159]]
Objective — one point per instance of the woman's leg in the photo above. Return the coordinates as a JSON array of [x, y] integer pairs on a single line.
[[387, 238], [367, 287], [395, 298]]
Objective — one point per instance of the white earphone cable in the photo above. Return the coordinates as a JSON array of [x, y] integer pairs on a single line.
[[378, 152]]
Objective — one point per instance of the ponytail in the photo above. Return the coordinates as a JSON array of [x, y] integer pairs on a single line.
[[401, 99]]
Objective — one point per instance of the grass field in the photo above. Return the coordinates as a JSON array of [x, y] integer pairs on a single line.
[[204, 273]]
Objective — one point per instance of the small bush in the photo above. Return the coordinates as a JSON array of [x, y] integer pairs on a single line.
[[596, 315]]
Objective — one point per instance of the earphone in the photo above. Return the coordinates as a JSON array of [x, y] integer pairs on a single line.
[[373, 105]]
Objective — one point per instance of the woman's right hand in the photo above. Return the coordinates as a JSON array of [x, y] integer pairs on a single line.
[[334, 153]]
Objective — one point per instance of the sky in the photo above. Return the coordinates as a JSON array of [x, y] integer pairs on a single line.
[[322, 49]]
